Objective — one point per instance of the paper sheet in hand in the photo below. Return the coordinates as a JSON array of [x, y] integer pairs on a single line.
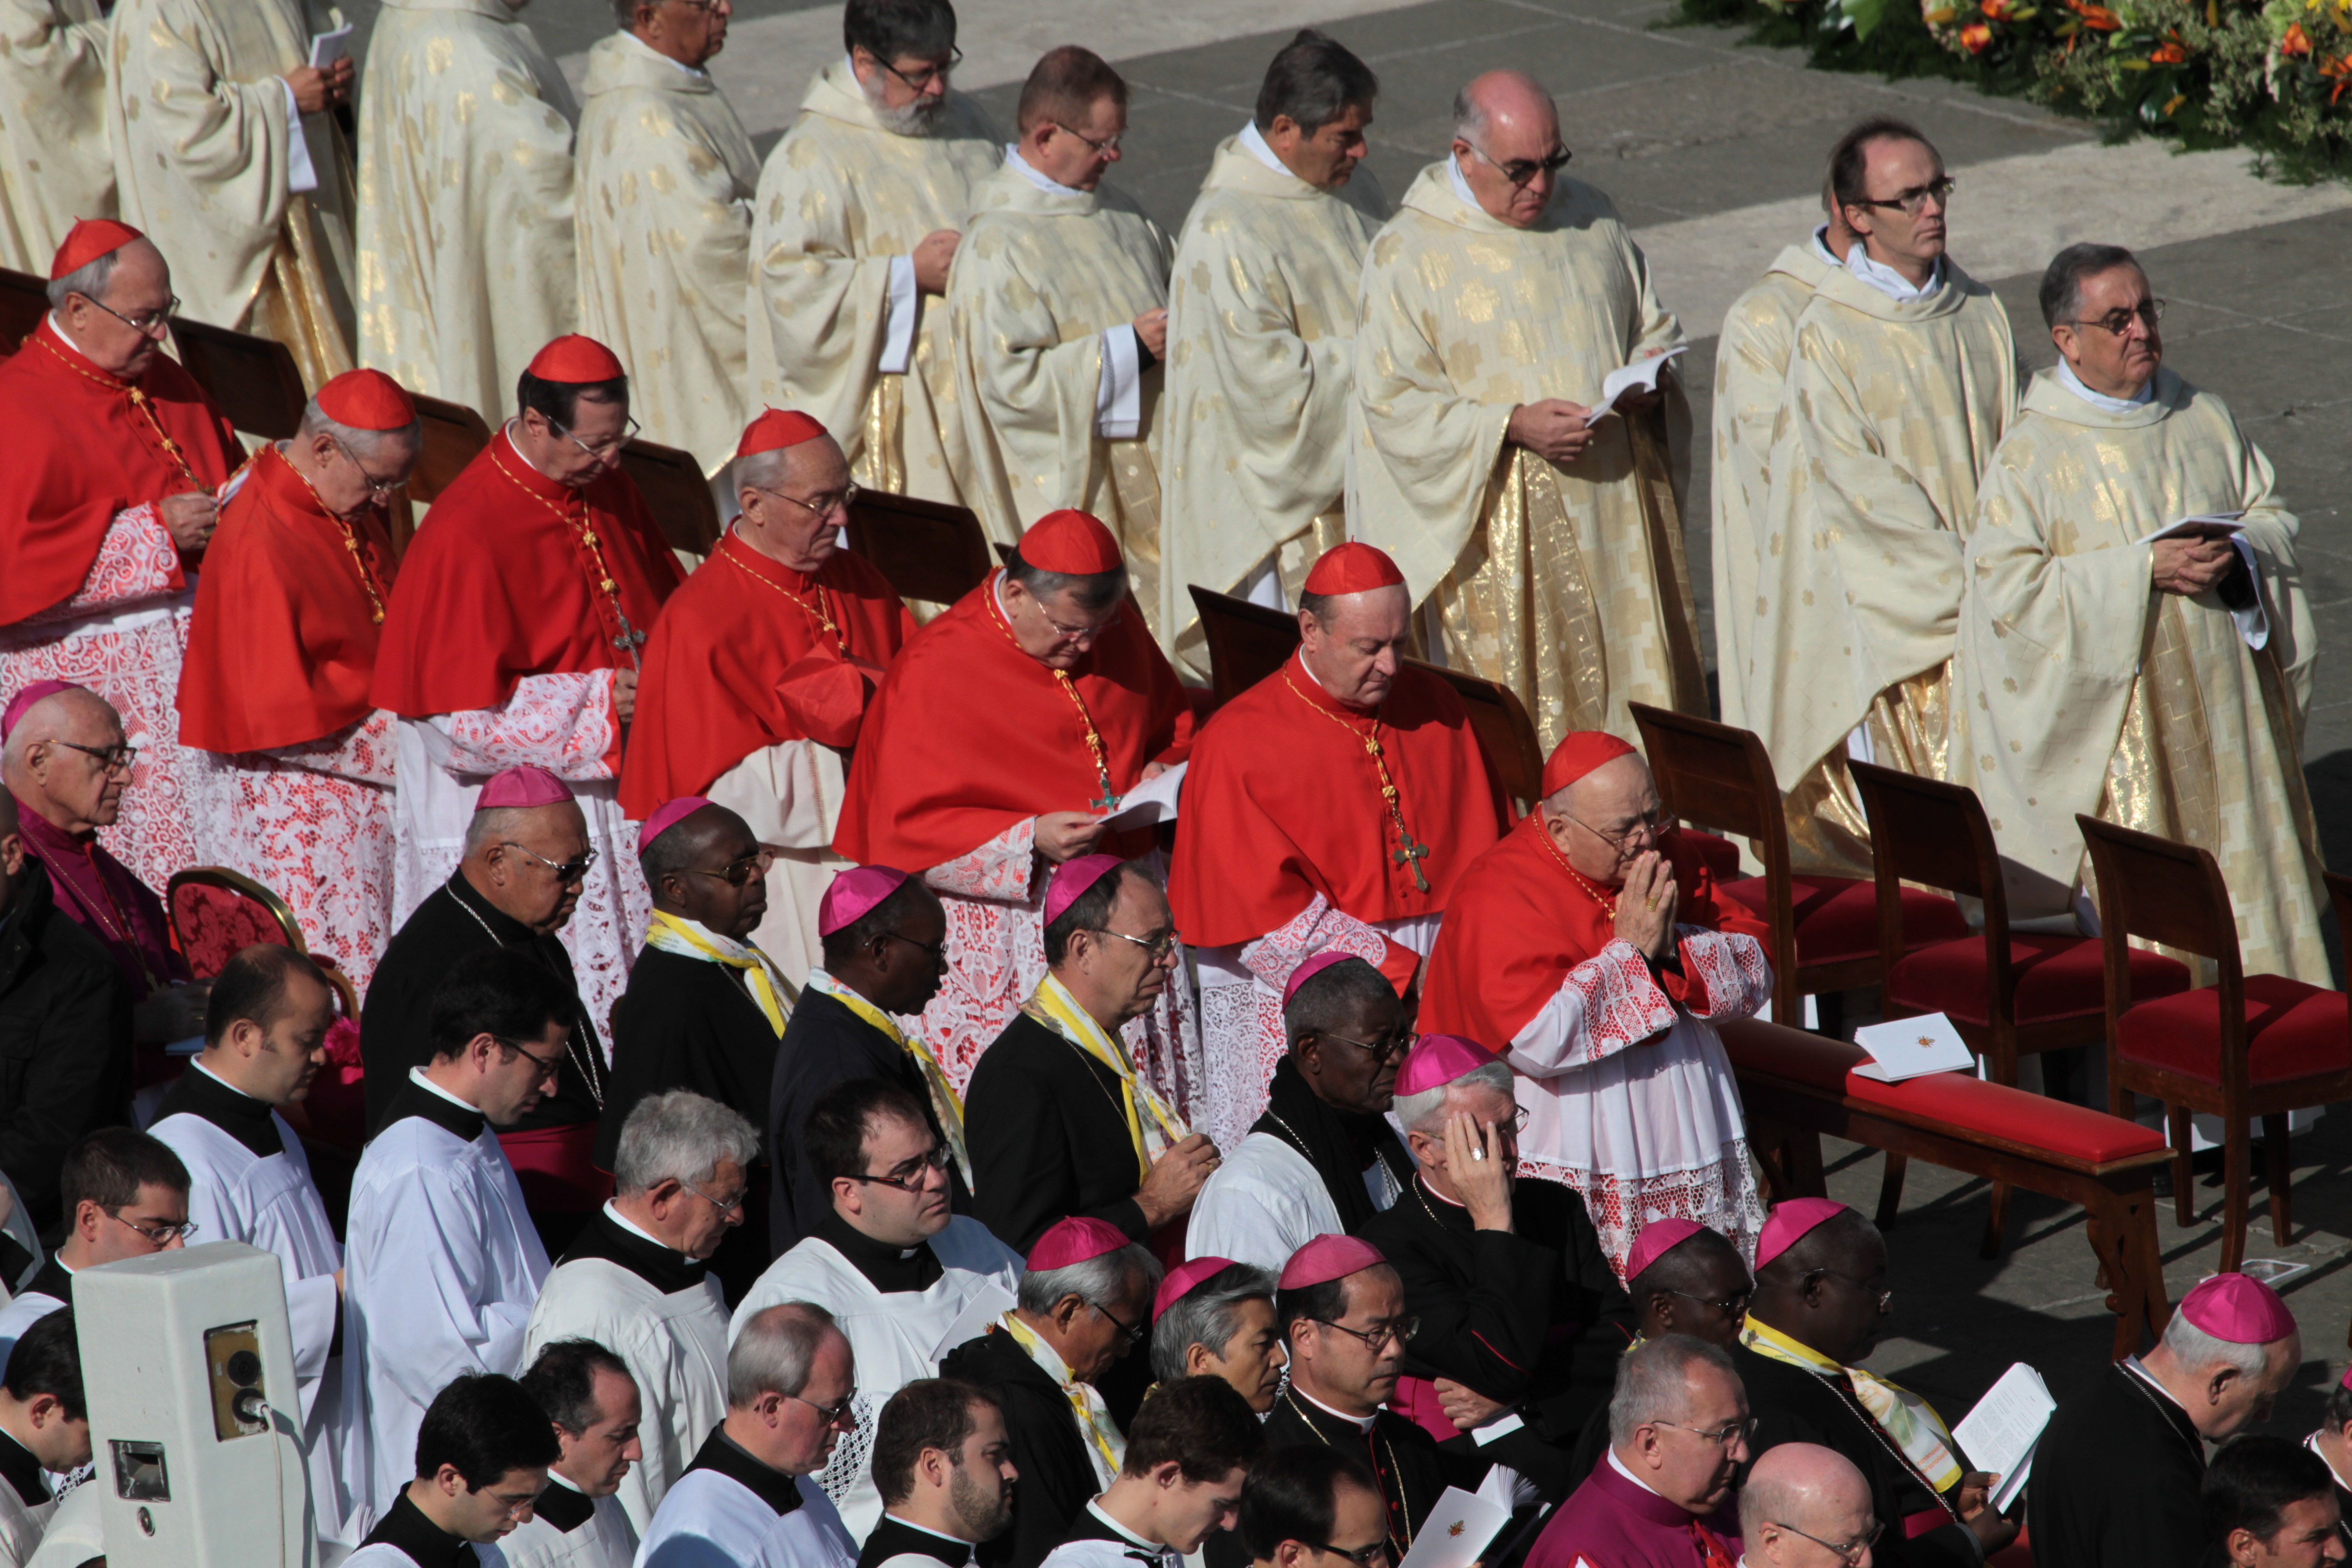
[[1642, 375], [1457, 1533], [326, 49], [2000, 1434], [1146, 804], [2211, 522], [992, 1302], [1913, 1048]]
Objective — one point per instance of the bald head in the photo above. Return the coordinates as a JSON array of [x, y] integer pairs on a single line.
[[1507, 143], [1501, 99], [1597, 821], [1801, 1490], [54, 760]]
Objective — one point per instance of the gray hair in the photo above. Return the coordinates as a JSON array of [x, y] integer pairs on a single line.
[[1654, 1382], [760, 470], [315, 422], [90, 279], [680, 1136], [1205, 1316], [1425, 1112], [1469, 117], [1098, 1281], [2197, 1351], [492, 826], [775, 1352], [2061, 283]]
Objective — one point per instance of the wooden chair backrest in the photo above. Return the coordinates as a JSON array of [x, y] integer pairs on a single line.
[[24, 301], [1246, 642], [1929, 832], [216, 913], [677, 494], [1711, 774], [1500, 722], [454, 436], [926, 549], [2160, 891], [252, 380]]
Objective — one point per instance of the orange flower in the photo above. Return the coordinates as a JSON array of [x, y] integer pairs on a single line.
[[2168, 55], [2097, 16], [2296, 42], [1975, 37], [2341, 69], [1996, 10]]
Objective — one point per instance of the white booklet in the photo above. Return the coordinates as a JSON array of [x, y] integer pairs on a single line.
[[2000, 1434], [326, 49], [1148, 804], [1457, 1531], [1642, 375], [992, 1303], [1912, 1047], [2210, 522]]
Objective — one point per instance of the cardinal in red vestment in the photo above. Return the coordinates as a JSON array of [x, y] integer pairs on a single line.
[[107, 500], [759, 670], [1588, 947], [1331, 806], [292, 764], [513, 637], [997, 746]]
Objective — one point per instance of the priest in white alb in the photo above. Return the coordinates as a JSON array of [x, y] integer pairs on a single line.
[[1057, 314], [227, 151], [895, 1269], [1262, 342], [2183, 665], [1902, 382], [55, 163], [859, 214], [1543, 542], [664, 219], [465, 199]]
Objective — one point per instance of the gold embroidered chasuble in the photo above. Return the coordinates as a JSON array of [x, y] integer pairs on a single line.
[[465, 198], [2082, 688], [196, 110], [839, 197], [55, 163], [1037, 278], [664, 210], [1751, 364], [1261, 357], [1567, 583], [1891, 410]]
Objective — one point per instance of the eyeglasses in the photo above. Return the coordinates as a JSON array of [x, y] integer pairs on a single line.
[[1400, 1331], [2118, 323], [1083, 635], [1886, 1294], [820, 506], [1519, 170], [1852, 1551], [1914, 200], [147, 323], [1362, 1556], [1102, 149], [572, 870], [1722, 1436], [921, 81], [724, 1206], [1731, 1306], [1656, 825], [937, 950], [161, 1235], [1389, 1049], [841, 1413], [112, 759], [1134, 1331], [548, 1066], [629, 430], [735, 873], [1159, 947], [380, 490], [934, 1158]]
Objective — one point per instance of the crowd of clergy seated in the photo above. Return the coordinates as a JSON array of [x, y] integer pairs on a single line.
[[757, 1071]]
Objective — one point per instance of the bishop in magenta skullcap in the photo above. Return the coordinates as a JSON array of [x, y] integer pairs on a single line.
[[522, 786], [1311, 968], [1181, 1281], [1791, 1222], [367, 400], [1078, 1239], [2237, 1309], [577, 359], [21, 703], [851, 893], [1073, 878], [1438, 1059], [1071, 543], [1658, 1237], [1354, 567], [1578, 755], [1328, 1257], [667, 815], [87, 241]]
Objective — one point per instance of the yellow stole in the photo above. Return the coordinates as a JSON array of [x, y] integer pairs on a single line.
[[1052, 1006], [1910, 1420], [1094, 1416], [946, 1103], [769, 988]]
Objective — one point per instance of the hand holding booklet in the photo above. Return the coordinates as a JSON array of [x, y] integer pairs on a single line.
[[1457, 1531], [1148, 804], [2213, 525], [1642, 375], [2000, 1434]]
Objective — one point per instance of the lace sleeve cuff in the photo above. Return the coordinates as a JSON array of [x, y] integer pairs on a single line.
[[1317, 927], [1725, 974], [563, 723], [1605, 1005], [361, 749], [1000, 869], [136, 560]]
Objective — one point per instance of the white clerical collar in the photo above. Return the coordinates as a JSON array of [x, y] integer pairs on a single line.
[[1095, 1506], [900, 1519], [63, 336], [2135, 1368], [1441, 1198], [825, 980], [1255, 144], [1821, 246], [1888, 281], [640, 1232], [2312, 1443], [1361, 1423], [515, 447], [696, 72], [1461, 183], [222, 1082], [416, 1076], [1014, 160], [1618, 1465], [2073, 383], [566, 1482]]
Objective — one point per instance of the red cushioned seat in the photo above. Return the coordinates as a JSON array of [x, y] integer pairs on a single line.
[[2057, 977], [1720, 855], [2293, 1030], [1837, 917]]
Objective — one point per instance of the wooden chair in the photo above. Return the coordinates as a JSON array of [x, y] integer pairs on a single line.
[[927, 549], [454, 436], [216, 913], [2008, 993], [24, 301], [1822, 930], [252, 380], [677, 494], [1246, 642], [2252, 1045], [1500, 722]]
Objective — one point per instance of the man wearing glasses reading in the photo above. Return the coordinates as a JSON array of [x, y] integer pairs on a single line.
[[124, 1195], [1804, 1506], [1902, 382]]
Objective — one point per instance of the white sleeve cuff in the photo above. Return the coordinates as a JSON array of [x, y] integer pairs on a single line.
[[1119, 394], [299, 175], [898, 331]]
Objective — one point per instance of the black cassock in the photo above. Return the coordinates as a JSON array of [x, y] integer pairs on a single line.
[[1049, 1450], [1413, 1472], [1048, 1130], [894, 1537], [2116, 1478]]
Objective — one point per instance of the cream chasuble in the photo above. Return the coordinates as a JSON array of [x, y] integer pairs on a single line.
[[1038, 279], [2082, 688], [1567, 584], [664, 209], [1891, 411], [465, 224], [1260, 356], [1751, 361], [55, 162], [206, 158], [842, 203]]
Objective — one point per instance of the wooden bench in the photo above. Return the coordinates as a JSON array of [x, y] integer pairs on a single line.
[[24, 301], [1246, 642], [454, 436], [926, 550], [253, 380], [1796, 1086], [677, 494]]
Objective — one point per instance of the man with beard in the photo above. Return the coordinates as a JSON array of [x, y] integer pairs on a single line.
[[944, 1467]]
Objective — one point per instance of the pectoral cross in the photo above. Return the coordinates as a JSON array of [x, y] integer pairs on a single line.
[[631, 640], [1108, 798], [1410, 856]]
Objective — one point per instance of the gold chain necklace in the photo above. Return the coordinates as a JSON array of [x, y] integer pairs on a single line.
[[1404, 1505], [816, 612], [1077, 700], [350, 538], [1408, 854], [138, 401], [629, 639], [1602, 896]]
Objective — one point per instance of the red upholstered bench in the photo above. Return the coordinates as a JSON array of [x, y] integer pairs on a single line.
[[1837, 917], [1796, 1086]]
